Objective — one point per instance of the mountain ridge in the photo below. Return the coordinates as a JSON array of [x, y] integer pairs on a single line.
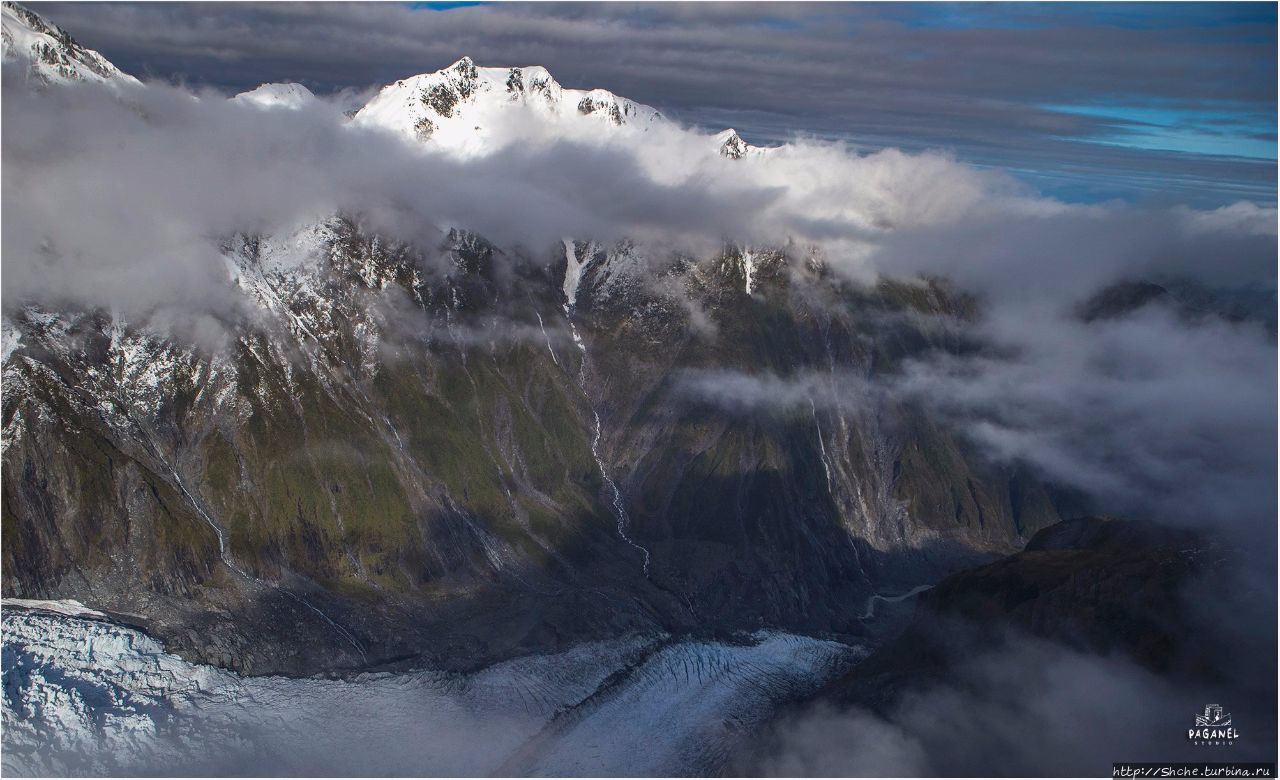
[[454, 106], [458, 452], [49, 55]]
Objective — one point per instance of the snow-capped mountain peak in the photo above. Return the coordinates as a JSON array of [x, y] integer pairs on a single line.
[[462, 106], [277, 95], [731, 145], [47, 54]]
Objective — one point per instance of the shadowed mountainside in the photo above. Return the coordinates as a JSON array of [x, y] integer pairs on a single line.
[[394, 452]]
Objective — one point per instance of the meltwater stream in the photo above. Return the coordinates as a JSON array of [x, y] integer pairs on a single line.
[[572, 277]]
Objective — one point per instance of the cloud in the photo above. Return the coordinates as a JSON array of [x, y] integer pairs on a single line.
[[744, 393], [1042, 249], [988, 83], [122, 205], [1004, 702], [1150, 414], [1029, 709]]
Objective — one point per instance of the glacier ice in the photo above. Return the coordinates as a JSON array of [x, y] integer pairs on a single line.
[[86, 696]]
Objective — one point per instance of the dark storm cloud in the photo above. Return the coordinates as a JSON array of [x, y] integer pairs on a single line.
[[977, 79]]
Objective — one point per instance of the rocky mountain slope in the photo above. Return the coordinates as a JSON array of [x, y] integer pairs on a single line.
[[460, 107], [41, 53], [451, 452]]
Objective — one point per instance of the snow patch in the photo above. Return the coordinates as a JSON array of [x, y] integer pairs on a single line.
[[572, 273], [68, 607], [288, 95], [468, 110], [11, 339], [749, 269], [49, 55]]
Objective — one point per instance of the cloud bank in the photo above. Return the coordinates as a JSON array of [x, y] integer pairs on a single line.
[[1028, 709], [121, 204], [1093, 101], [110, 193]]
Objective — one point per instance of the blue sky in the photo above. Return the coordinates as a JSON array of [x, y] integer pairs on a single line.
[[1211, 131]]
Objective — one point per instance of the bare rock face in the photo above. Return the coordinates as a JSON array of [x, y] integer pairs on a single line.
[[733, 147], [398, 457]]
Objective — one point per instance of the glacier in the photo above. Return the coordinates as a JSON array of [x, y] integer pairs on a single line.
[[87, 695]]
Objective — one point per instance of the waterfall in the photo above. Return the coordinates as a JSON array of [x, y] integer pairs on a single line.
[[573, 273], [543, 328], [822, 446]]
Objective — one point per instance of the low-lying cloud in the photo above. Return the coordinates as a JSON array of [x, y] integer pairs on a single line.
[[1150, 414], [114, 201], [1005, 702], [768, 393], [1029, 709], [120, 202]]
